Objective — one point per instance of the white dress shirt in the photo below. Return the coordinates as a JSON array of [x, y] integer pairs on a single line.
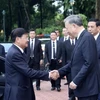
[[96, 36], [52, 57]]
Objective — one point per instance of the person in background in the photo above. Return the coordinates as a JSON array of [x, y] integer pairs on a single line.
[[18, 74], [63, 39], [84, 62], [58, 34], [53, 54], [65, 35], [67, 53], [34, 54], [2, 51], [94, 29]]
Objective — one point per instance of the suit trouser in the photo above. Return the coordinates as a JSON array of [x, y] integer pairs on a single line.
[[35, 66], [53, 66], [70, 92], [94, 97]]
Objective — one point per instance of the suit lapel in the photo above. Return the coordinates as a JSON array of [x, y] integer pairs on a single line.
[[57, 48], [50, 49], [78, 41], [98, 40]]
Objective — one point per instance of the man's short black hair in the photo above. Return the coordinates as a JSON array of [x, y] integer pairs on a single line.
[[18, 32], [32, 30], [95, 20], [53, 32]]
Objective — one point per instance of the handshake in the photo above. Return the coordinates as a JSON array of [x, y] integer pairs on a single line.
[[54, 74]]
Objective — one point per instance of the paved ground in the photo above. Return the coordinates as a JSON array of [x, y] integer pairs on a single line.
[[46, 94]]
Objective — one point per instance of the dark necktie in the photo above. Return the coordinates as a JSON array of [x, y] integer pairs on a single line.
[[54, 54], [31, 48], [72, 42]]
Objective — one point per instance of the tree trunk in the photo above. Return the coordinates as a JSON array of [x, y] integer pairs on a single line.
[[97, 9]]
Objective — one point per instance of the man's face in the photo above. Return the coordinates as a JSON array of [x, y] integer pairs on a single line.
[[58, 34], [92, 28], [32, 34], [71, 29], [23, 41], [53, 36], [64, 32]]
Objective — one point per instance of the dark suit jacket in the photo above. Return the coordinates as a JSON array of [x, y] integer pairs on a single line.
[[62, 39], [18, 76], [83, 66], [98, 47], [67, 51], [2, 51], [38, 53], [98, 51], [48, 51]]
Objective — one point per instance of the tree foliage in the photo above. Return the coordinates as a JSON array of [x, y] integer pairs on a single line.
[[22, 13]]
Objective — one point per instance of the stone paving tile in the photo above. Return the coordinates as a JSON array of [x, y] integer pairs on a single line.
[[46, 94]]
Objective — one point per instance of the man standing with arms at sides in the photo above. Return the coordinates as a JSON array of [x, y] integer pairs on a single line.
[[67, 53], [84, 63], [53, 53], [65, 35], [94, 29], [18, 75], [34, 54]]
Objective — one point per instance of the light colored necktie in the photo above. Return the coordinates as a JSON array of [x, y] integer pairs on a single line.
[[32, 49]]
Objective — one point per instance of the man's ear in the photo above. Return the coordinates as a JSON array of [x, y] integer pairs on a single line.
[[17, 39]]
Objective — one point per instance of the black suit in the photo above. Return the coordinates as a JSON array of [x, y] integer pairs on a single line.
[[54, 63], [2, 77], [62, 39], [98, 51], [67, 53], [83, 66], [38, 55], [2, 51], [18, 76]]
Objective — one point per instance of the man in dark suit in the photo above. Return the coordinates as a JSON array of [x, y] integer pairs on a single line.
[[34, 54], [94, 29], [58, 34], [53, 53], [84, 63], [18, 75], [67, 53], [2, 51], [65, 35]]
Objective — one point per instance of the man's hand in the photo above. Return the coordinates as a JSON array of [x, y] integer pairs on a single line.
[[60, 61], [72, 85], [54, 74], [41, 62]]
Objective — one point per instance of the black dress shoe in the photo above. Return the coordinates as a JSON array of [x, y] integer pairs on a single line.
[[58, 89], [38, 88], [53, 88]]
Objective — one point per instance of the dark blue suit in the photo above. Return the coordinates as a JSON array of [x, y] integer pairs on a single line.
[[83, 66], [98, 51], [54, 63], [18, 76], [2, 51]]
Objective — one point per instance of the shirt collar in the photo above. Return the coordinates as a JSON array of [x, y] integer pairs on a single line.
[[96, 36], [32, 39], [80, 33], [54, 41], [66, 37], [19, 48]]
